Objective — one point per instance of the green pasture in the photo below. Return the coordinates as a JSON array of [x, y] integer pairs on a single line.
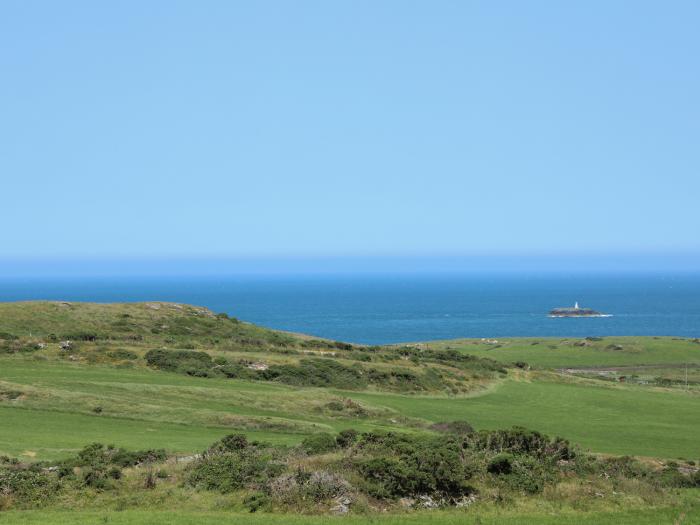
[[142, 408], [564, 353], [610, 419]]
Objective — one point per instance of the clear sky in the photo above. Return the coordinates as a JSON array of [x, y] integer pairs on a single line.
[[296, 129]]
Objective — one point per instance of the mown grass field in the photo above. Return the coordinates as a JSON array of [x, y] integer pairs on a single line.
[[143, 408], [611, 419]]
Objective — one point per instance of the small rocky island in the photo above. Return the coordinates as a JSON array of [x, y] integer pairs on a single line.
[[576, 311]]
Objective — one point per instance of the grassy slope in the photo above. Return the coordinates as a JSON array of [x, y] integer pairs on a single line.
[[561, 353], [139, 406], [617, 420], [142, 408]]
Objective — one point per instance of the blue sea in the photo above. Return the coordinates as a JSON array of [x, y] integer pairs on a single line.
[[376, 309]]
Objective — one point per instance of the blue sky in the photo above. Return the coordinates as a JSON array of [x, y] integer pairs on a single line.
[[302, 129]]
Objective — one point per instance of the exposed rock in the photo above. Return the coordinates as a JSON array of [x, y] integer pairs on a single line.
[[465, 501], [342, 505], [66, 345], [427, 502]]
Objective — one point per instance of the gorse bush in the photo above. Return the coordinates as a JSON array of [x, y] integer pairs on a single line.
[[501, 464], [400, 465], [97, 454], [231, 463], [319, 443], [377, 467], [309, 371], [185, 361], [316, 486], [519, 440], [316, 372], [27, 486]]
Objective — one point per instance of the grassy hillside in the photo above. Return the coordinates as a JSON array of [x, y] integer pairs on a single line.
[[196, 342], [177, 377]]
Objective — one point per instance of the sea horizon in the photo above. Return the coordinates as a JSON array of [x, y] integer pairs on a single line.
[[380, 308]]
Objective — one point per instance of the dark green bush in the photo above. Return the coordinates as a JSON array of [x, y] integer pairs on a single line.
[[229, 443], [123, 354], [528, 475], [670, 476], [99, 455], [413, 466], [232, 470], [347, 438], [95, 478], [316, 372], [198, 364], [319, 443], [82, 336], [522, 441], [500, 464], [256, 501]]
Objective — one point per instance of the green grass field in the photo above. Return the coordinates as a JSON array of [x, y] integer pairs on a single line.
[[686, 515], [617, 420], [156, 409], [563, 353], [53, 403]]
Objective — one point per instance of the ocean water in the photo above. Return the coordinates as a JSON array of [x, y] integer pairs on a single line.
[[376, 309]]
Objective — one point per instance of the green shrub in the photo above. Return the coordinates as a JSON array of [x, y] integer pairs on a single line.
[[237, 371], [347, 438], [95, 478], [256, 501], [622, 467], [528, 475], [123, 354], [413, 466], [319, 443], [193, 363], [670, 476], [500, 464], [99, 455], [519, 440], [27, 486], [316, 372], [229, 443], [230, 471], [323, 485], [82, 336]]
